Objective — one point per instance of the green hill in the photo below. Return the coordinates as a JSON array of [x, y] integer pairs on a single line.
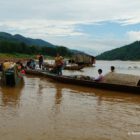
[[28, 41], [18, 44], [127, 52]]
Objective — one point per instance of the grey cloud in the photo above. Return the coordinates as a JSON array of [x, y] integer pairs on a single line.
[[92, 10], [27, 17]]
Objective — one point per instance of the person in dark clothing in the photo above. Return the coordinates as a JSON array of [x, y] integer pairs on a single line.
[[112, 68], [28, 63], [31, 64], [40, 59], [1, 67]]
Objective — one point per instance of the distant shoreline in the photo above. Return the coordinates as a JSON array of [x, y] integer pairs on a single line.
[[117, 60], [16, 57], [24, 57]]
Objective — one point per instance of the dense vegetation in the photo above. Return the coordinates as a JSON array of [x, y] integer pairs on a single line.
[[127, 52], [14, 44], [26, 40], [20, 47]]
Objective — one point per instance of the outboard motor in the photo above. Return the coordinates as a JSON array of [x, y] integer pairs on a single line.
[[10, 77]]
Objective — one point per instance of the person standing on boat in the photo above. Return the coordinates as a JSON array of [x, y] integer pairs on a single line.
[[100, 77], [58, 64], [40, 59]]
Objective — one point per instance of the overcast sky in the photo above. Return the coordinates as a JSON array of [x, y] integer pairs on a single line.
[[91, 25]]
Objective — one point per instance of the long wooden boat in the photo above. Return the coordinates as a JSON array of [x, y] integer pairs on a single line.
[[88, 83], [11, 77], [67, 67]]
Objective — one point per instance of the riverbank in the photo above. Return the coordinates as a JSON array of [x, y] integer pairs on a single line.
[[17, 56]]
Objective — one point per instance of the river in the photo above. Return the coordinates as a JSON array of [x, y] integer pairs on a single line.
[[41, 109]]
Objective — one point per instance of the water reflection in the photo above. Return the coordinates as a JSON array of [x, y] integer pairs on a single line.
[[90, 112], [57, 111], [58, 95], [99, 94], [10, 96]]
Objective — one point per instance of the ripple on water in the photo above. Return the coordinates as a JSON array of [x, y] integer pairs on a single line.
[[43, 109]]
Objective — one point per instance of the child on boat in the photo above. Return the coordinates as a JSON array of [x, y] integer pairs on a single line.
[[100, 77]]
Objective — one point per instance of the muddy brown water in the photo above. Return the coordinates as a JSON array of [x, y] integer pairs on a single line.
[[41, 109]]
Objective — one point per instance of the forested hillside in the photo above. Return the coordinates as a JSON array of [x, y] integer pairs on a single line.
[[19, 44], [20, 47], [127, 52], [28, 41]]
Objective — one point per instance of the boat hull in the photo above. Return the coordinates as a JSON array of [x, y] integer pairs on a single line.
[[87, 83]]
